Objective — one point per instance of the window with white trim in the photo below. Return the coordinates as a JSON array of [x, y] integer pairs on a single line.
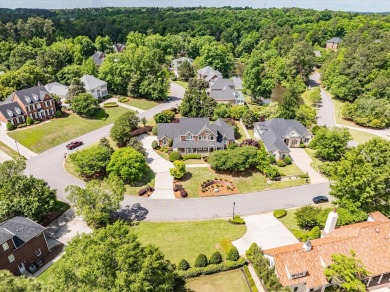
[[189, 136], [211, 138], [5, 246], [306, 140], [38, 252], [11, 258]]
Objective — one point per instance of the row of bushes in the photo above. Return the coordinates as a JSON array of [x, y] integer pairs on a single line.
[[175, 155], [110, 104], [29, 122], [191, 156], [123, 99], [283, 162], [211, 269]]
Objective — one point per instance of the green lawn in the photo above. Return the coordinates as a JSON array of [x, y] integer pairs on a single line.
[[246, 182], [178, 240], [141, 103], [44, 136], [241, 132], [7, 150], [182, 83], [361, 137], [316, 162], [291, 169], [231, 281], [338, 104]]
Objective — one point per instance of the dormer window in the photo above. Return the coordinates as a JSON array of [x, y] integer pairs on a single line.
[[35, 97], [18, 111], [207, 132], [27, 99], [189, 136], [10, 113], [298, 275]]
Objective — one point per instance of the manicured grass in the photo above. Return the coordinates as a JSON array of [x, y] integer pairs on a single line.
[[231, 281], [338, 104], [361, 137], [245, 182], [250, 132], [291, 169], [252, 105], [182, 83], [141, 103], [316, 162], [148, 179], [57, 131], [241, 132], [45, 276], [7, 150], [178, 240]]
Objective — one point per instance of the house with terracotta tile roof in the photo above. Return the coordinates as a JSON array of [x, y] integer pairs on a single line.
[[301, 266]]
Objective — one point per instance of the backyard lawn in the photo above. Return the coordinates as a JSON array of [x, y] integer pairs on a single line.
[[361, 137], [178, 240], [44, 136], [241, 133], [230, 281], [7, 150], [316, 162], [141, 103], [246, 182]]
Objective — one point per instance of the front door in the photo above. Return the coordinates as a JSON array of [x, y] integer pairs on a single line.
[[21, 268]]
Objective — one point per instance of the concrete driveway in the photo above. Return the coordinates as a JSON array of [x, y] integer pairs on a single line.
[[303, 160], [266, 231], [160, 166]]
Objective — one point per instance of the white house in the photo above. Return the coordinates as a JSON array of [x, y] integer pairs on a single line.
[[58, 89], [176, 63], [94, 86]]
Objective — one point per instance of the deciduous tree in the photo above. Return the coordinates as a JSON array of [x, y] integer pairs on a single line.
[[120, 133], [85, 105]]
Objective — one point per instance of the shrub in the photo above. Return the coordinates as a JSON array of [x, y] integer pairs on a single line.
[[315, 233], [304, 175], [36, 122], [226, 244], [233, 254], [287, 160], [179, 169], [237, 220], [58, 114], [201, 261], [238, 159], [155, 130], [211, 269], [280, 163], [155, 144], [216, 258], [232, 146], [175, 156], [123, 99], [302, 146], [183, 265], [10, 126], [279, 213], [307, 216], [110, 104], [165, 116], [140, 131], [271, 172], [272, 159], [251, 142], [30, 121]]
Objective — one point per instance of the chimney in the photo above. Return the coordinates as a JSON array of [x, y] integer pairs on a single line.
[[307, 246], [331, 222]]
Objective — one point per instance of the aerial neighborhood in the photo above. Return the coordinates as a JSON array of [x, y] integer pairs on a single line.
[[194, 149]]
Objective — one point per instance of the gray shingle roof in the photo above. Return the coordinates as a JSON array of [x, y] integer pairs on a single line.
[[31, 95], [98, 58], [91, 82], [57, 88], [237, 83], [208, 73], [220, 83], [334, 40], [118, 48], [226, 94], [11, 107], [195, 126], [272, 132], [5, 235], [22, 228]]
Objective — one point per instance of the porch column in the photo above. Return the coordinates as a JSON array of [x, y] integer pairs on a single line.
[[380, 279], [369, 280]]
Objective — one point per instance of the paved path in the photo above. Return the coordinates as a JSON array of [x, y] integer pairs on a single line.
[[303, 160], [266, 231], [7, 140], [4, 156], [197, 165], [245, 130], [160, 166], [115, 99]]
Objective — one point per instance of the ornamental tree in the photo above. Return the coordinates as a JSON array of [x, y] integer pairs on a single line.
[[122, 128], [85, 105], [179, 169]]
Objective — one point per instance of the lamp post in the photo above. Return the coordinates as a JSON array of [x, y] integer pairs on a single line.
[[17, 148], [234, 205]]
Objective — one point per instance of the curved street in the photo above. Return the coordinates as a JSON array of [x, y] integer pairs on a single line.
[[49, 166]]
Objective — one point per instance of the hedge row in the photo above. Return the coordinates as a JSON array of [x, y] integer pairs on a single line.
[[212, 269], [123, 99], [191, 156], [279, 213], [110, 104]]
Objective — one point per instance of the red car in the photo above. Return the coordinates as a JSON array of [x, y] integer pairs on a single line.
[[73, 145]]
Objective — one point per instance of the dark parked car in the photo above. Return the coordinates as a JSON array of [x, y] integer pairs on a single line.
[[320, 199], [73, 145]]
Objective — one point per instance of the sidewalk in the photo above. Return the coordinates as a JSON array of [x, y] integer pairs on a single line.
[[7, 140], [4, 156], [114, 99]]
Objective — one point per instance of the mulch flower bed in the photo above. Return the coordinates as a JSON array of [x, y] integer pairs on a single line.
[[217, 187]]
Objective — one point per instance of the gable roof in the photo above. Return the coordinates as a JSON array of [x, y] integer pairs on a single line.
[[57, 88], [91, 82], [31, 95], [334, 40], [226, 94], [237, 83], [208, 73], [219, 83], [22, 229], [370, 241], [11, 110], [98, 57], [118, 48], [273, 131]]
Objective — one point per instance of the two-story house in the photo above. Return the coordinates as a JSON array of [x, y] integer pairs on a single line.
[[94, 86], [34, 102], [23, 246], [176, 64], [195, 135], [98, 58], [223, 90], [207, 73], [280, 134]]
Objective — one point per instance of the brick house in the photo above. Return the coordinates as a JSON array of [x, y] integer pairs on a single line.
[[23, 244], [301, 266], [35, 102], [196, 135], [333, 43]]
